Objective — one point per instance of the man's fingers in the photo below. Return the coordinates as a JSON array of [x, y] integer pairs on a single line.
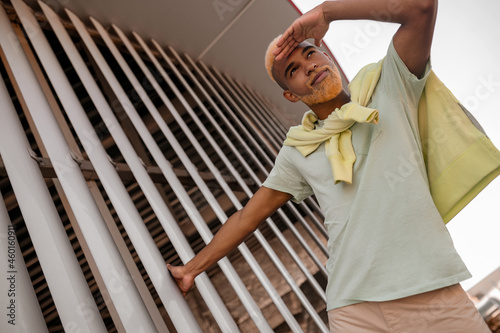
[[282, 43], [184, 285], [171, 270], [286, 50], [174, 272], [286, 36], [282, 39], [279, 52], [283, 48], [287, 44]]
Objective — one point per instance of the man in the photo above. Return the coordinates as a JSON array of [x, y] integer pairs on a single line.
[[392, 265]]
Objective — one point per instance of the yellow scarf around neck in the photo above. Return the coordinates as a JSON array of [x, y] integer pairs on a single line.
[[460, 159], [335, 131]]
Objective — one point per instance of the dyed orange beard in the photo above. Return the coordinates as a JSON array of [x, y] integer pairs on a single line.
[[326, 90]]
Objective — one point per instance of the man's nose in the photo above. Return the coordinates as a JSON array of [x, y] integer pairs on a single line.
[[311, 68]]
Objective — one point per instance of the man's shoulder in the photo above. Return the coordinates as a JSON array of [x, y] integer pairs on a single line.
[[290, 157], [288, 151]]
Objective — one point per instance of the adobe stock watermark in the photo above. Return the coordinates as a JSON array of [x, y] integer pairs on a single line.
[[372, 29], [405, 166], [486, 87], [11, 276], [362, 39], [223, 7]]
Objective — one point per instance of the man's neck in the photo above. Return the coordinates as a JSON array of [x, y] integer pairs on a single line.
[[323, 110]]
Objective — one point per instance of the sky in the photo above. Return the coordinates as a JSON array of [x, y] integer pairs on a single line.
[[465, 56]]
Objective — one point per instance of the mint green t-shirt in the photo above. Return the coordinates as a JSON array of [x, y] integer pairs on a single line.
[[386, 237]]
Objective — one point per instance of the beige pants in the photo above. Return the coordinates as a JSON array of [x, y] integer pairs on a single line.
[[446, 310]]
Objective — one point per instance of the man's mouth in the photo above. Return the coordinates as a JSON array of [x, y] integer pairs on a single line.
[[319, 77]]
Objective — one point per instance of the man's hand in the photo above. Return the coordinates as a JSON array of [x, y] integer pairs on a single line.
[[310, 25], [184, 281]]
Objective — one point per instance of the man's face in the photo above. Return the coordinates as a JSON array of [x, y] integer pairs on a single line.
[[308, 75]]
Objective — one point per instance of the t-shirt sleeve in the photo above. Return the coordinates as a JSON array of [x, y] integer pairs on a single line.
[[285, 177], [397, 80]]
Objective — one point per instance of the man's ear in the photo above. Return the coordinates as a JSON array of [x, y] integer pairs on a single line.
[[291, 96]]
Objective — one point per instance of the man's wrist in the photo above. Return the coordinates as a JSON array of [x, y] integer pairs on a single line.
[[189, 269], [193, 267], [327, 10]]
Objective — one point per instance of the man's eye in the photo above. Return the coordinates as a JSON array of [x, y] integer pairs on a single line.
[[292, 71], [309, 54]]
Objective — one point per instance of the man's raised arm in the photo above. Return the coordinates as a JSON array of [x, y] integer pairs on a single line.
[[412, 41], [262, 205]]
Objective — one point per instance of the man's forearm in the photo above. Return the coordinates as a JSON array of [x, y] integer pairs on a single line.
[[413, 39], [396, 11], [230, 235], [264, 203]]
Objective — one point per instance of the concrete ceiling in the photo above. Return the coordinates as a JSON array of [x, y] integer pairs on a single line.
[[231, 35]]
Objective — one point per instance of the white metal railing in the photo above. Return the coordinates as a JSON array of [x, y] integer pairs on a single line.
[[110, 180], [198, 90]]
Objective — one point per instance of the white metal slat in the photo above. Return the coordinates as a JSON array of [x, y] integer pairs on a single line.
[[16, 0], [235, 109], [247, 115], [279, 116], [257, 116], [267, 117]]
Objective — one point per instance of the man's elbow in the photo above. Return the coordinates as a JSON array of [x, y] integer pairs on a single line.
[[248, 222], [421, 13], [426, 7]]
